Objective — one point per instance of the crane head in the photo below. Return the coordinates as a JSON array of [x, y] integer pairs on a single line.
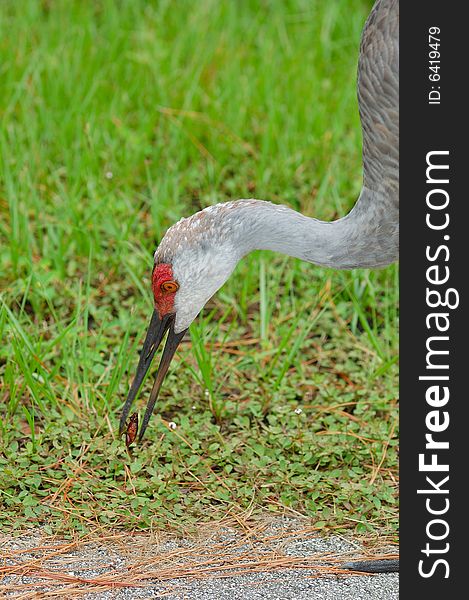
[[190, 266]]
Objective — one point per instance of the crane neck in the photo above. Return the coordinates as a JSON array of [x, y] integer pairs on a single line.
[[366, 237]]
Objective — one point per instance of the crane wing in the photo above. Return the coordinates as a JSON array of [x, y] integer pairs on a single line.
[[378, 102]]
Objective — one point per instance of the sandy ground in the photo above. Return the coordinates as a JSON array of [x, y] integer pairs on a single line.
[[283, 559]]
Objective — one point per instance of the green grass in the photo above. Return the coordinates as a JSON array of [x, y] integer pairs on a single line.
[[118, 118]]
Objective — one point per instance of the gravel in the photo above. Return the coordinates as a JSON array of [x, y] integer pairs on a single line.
[[289, 585], [224, 551]]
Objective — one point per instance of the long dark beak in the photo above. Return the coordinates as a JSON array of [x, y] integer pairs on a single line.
[[156, 331]]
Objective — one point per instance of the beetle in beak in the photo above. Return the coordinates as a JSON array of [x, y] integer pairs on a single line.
[[155, 334]]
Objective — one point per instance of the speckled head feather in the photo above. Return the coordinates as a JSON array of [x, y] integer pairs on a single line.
[[202, 251]]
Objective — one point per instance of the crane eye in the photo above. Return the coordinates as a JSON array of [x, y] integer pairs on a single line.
[[169, 286]]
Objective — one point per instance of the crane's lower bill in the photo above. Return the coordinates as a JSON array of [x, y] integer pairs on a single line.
[[155, 334]]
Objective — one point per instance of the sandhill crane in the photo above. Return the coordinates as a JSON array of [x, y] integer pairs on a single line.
[[198, 254]]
